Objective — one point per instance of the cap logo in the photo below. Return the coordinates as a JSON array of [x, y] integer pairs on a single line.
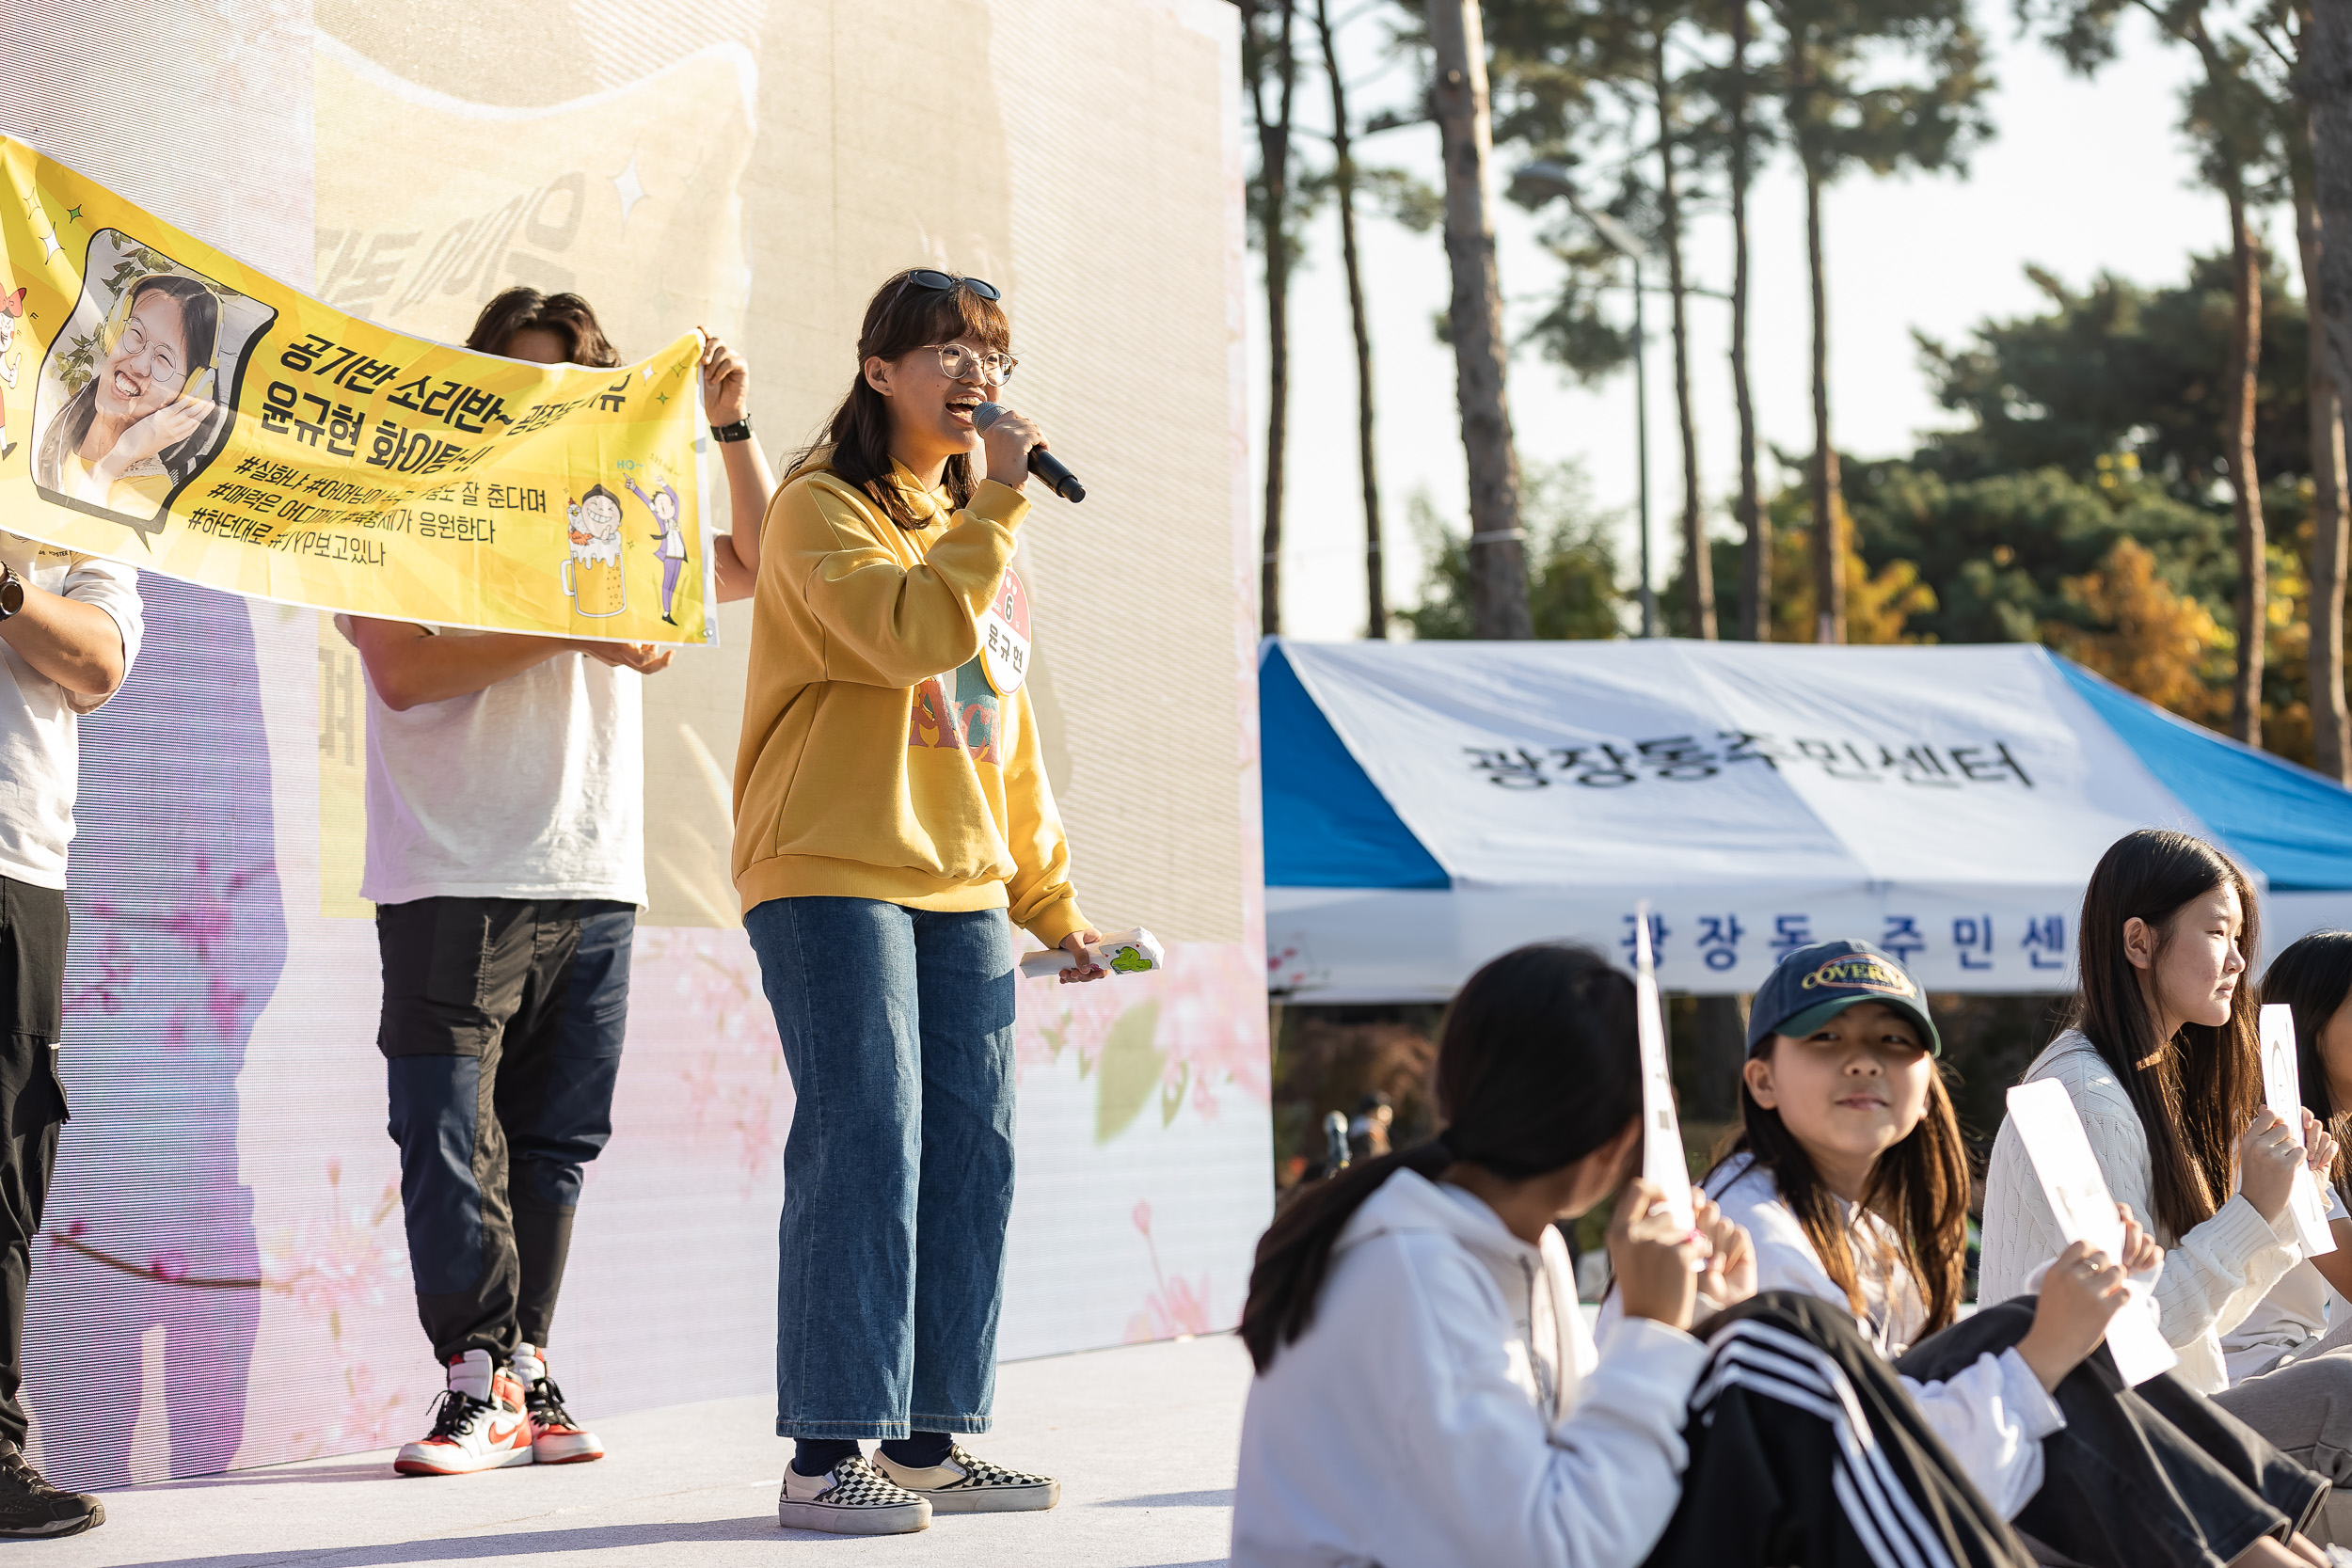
[[1859, 971]]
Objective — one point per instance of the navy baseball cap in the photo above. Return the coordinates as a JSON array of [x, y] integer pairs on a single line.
[[1815, 984]]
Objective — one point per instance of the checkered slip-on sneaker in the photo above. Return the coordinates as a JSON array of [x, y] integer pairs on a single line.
[[967, 1485], [849, 1499]]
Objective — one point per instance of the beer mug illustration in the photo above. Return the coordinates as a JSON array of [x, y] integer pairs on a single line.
[[592, 573]]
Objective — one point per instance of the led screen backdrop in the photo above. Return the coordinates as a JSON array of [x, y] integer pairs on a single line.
[[224, 1282]]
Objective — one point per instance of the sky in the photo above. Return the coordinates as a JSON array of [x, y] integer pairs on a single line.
[[2081, 177]]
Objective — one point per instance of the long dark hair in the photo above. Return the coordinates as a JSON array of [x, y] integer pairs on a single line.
[[200, 328], [1537, 1066], [1920, 1187], [566, 315], [2195, 1092], [899, 318], [2313, 976]]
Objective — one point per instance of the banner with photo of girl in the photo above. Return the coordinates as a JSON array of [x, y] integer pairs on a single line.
[[190, 415]]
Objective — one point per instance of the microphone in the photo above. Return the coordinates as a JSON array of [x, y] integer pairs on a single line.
[[1043, 464]]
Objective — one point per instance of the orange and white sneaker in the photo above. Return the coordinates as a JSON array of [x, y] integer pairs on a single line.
[[555, 1437], [481, 1423]]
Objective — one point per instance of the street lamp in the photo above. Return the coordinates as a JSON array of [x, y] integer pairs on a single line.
[[1552, 176]]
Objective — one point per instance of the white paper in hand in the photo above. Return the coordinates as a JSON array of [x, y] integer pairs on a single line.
[[2053, 1134], [1662, 1160], [2282, 1091]]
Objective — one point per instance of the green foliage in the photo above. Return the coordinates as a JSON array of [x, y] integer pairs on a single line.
[[1881, 85], [2119, 368], [1572, 588], [1998, 548]]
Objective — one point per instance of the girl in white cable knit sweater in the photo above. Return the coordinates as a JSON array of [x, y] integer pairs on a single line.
[[2160, 1060]]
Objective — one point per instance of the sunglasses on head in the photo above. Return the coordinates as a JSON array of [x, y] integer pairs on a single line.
[[926, 278]]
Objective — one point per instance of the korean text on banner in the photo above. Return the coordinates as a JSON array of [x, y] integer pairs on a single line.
[[1662, 1160], [190, 415], [2282, 1091], [2052, 1132]]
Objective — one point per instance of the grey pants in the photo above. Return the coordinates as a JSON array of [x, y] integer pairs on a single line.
[[2303, 1405]]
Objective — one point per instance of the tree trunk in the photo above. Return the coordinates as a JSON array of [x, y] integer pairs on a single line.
[[1829, 512], [1274, 150], [2246, 498], [2331, 725], [2326, 84], [1756, 527], [1344, 174], [1697, 564], [1498, 554]]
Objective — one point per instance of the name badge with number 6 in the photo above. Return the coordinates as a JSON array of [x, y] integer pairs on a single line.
[[1005, 636]]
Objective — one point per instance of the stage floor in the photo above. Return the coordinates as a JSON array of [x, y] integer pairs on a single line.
[[1142, 1437]]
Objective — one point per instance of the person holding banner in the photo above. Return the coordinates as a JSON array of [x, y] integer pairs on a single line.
[[2161, 1059], [1427, 1393], [70, 630], [505, 854], [1850, 1174], [893, 822]]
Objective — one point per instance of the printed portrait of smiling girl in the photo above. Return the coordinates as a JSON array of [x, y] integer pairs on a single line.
[[133, 433]]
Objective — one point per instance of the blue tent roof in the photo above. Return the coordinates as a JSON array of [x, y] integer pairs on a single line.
[[1326, 824], [2288, 822]]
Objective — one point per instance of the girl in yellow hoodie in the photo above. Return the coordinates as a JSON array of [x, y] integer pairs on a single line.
[[892, 821]]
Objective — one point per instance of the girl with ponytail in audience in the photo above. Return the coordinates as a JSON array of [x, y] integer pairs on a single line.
[[2161, 1059], [1427, 1393], [1851, 1178]]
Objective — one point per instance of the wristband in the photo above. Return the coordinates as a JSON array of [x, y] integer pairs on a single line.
[[739, 431]]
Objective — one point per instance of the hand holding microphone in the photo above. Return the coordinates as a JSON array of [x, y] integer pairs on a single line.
[[1016, 449]]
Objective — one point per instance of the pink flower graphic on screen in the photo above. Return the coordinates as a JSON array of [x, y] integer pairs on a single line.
[[714, 1025], [1209, 1031], [1179, 1308]]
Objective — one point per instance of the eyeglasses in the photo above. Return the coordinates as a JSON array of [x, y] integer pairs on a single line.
[[160, 368], [959, 363]]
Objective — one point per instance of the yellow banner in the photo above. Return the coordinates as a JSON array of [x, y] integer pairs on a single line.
[[190, 415]]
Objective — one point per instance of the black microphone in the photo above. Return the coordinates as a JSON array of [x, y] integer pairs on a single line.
[[1041, 463]]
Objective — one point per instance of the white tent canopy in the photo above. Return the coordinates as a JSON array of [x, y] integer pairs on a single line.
[[1429, 805]]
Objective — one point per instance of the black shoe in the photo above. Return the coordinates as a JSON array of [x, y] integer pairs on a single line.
[[31, 1507]]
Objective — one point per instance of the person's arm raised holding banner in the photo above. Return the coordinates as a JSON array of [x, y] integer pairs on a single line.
[[506, 857]]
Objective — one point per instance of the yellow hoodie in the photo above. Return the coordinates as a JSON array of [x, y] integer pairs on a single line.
[[876, 760]]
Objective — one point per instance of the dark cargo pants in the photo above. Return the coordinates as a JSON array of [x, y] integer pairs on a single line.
[[501, 1034]]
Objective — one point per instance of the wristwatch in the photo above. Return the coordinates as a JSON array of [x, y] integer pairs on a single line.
[[739, 431], [11, 591]]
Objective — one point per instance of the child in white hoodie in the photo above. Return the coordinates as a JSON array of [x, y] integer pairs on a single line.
[[1852, 1178], [1427, 1392]]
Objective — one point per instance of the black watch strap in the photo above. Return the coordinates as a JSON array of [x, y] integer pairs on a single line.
[[739, 431], [11, 591]]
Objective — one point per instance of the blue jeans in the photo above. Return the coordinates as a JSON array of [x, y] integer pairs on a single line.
[[897, 1030]]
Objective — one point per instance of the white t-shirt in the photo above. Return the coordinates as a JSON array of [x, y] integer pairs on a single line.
[[533, 787], [40, 748]]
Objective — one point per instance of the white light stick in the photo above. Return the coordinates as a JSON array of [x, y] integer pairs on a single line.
[[1662, 1160], [2052, 1132], [1132, 951], [2282, 1091]]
